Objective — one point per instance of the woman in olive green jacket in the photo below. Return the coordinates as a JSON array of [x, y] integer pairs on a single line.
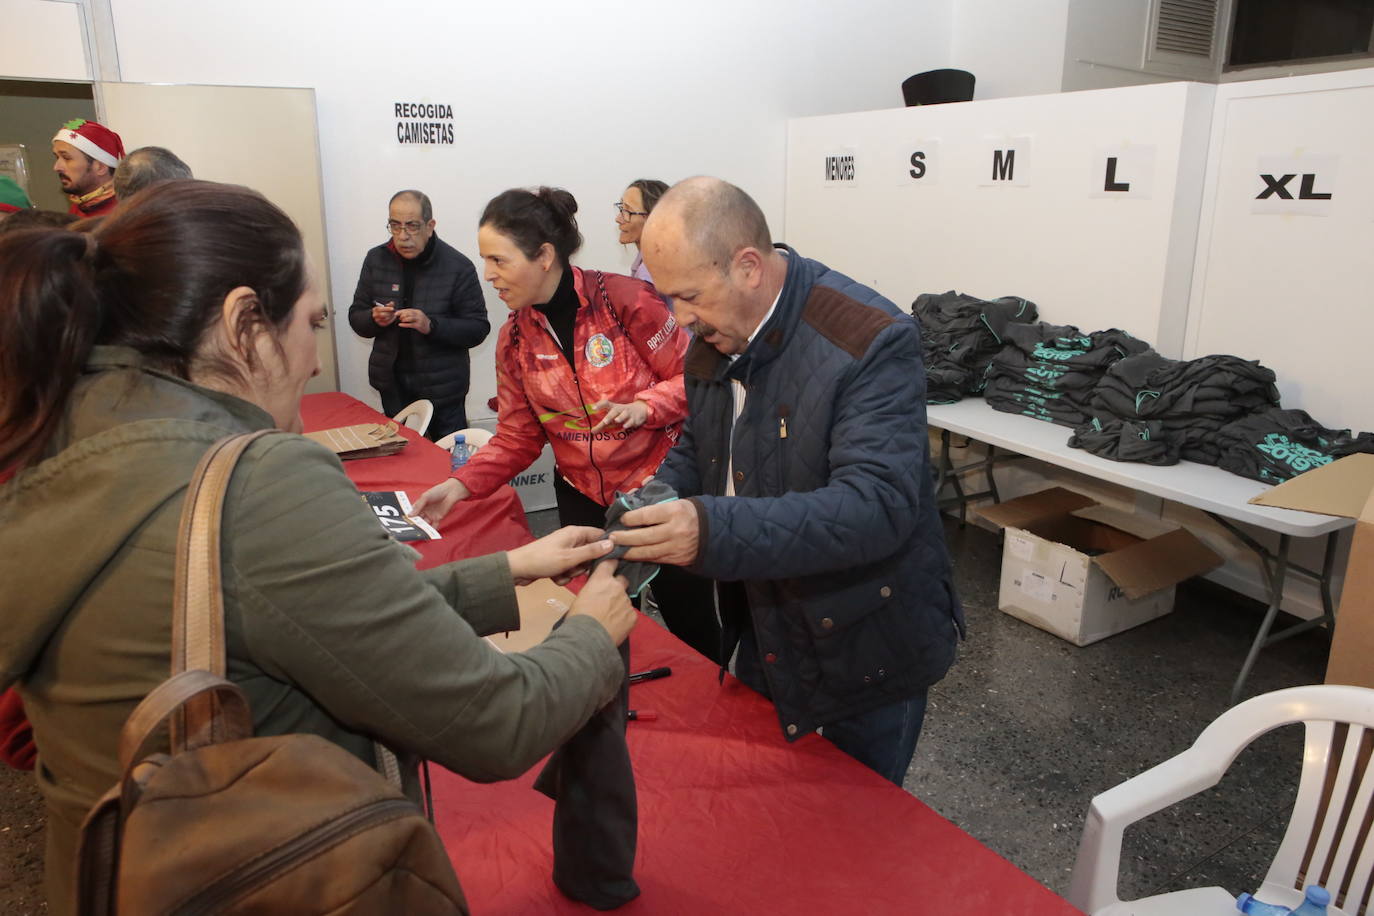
[[128, 349]]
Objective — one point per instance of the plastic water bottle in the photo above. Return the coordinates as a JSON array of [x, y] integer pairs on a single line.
[[461, 454], [1315, 900], [1246, 903], [1314, 904]]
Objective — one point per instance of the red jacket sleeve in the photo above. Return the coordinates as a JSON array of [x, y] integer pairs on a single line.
[[519, 438], [659, 342]]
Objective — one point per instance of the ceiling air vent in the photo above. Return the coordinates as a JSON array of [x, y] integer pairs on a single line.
[[1186, 26], [1182, 40]]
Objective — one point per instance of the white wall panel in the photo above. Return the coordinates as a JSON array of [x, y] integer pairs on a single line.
[[588, 96], [1292, 289], [206, 125], [1051, 233], [1012, 47], [42, 39]]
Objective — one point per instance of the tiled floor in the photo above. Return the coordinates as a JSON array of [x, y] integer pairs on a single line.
[[1027, 728]]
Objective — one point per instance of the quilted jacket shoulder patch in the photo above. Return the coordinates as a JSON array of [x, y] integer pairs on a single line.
[[847, 324]]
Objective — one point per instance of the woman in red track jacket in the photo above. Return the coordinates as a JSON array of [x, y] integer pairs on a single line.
[[589, 362]]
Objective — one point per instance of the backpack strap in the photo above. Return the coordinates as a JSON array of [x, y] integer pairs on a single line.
[[233, 719], [198, 595], [199, 717], [198, 592]]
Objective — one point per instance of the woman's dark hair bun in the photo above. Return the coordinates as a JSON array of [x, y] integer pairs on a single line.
[[562, 202], [533, 219]]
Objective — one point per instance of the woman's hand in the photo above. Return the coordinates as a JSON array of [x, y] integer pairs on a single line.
[[603, 598], [561, 556], [439, 500], [626, 416]]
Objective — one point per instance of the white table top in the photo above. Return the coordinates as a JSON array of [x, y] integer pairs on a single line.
[[1198, 485]]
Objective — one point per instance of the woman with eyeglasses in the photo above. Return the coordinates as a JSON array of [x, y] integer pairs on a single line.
[[631, 211]]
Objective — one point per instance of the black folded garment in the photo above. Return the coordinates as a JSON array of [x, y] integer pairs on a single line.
[[960, 334], [1277, 445], [1126, 440], [1049, 371], [638, 574], [1150, 386], [1192, 399]]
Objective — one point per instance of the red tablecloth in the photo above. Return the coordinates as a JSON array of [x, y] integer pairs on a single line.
[[475, 527], [735, 820], [732, 818]]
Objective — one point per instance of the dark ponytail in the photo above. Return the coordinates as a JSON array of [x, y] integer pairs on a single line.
[[49, 320], [152, 276], [533, 219]]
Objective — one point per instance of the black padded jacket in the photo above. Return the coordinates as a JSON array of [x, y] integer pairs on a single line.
[[444, 286]]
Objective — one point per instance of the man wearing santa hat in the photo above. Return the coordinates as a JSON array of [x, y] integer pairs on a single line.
[[84, 157]]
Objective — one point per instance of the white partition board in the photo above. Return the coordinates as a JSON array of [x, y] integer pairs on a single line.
[[1047, 229], [1287, 279], [221, 132]]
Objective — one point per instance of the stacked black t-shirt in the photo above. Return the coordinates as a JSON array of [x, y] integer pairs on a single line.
[[1144, 442], [960, 335], [1191, 399], [1275, 445], [1049, 371]]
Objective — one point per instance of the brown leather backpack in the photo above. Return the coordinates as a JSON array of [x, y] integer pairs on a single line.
[[229, 823]]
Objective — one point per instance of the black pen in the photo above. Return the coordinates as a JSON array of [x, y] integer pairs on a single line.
[[652, 674]]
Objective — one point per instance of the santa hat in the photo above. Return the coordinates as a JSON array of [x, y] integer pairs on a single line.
[[12, 197], [95, 140]]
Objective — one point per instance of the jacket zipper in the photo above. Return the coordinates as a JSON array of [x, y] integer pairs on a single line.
[[286, 857], [591, 439], [582, 402]]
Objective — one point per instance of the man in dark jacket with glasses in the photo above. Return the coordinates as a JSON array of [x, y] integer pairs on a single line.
[[419, 300]]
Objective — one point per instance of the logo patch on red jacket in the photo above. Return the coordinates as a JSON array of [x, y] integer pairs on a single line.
[[600, 350]]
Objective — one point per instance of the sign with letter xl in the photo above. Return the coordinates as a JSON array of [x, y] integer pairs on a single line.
[[1005, 161], [1301, 185]]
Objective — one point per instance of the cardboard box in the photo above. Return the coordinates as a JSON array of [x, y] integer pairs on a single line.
[[1084, 571], [1344, 488]]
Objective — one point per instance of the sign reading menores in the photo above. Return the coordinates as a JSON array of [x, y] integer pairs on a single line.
[[424, 123]]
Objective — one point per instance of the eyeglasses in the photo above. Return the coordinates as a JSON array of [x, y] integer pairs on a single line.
[[626, 212], [411, 227]]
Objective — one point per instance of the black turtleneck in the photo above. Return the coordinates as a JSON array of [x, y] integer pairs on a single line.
[[561, 310]]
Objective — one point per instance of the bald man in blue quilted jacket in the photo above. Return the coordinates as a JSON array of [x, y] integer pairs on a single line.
[[805, 467]]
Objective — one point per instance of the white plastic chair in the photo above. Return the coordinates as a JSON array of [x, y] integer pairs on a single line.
[[475, 438], [1331, 814], [416, 415]]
